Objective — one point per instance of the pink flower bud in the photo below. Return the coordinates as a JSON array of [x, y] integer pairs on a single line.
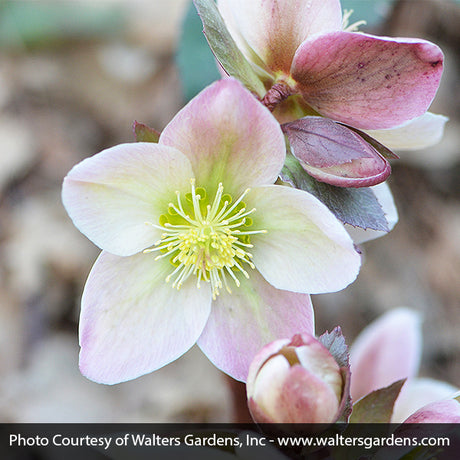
[[295, 381], [445, 411]]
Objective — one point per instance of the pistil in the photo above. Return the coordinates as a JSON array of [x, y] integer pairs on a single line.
[[208, 240]]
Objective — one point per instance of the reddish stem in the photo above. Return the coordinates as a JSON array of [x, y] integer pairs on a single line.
[[276, 94]]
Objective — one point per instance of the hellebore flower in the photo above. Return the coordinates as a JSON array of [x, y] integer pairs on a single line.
[[312, 63], [362, 80], [198, 244], [388, 350], [295, 381]]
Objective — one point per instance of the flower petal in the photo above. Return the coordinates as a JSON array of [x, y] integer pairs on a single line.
[[306, 398], [365, 81], [243, 322], [269, 383], [240, 147], [305, 249], [112, 195], [447, 411], [272, 30], [263, 355], [288, 394], [417, 393], [385, 198], [387, 350], [332, 153], [419, 133], [132, 322]]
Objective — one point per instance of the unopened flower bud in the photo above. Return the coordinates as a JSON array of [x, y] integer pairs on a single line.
[[295, 381]]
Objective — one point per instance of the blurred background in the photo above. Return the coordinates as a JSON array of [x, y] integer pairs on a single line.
[[74, 75]]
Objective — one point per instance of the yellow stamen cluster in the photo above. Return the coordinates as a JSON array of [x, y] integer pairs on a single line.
[[208, 240]]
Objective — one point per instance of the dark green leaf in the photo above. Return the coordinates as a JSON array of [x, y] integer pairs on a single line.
[[358, 207], [224, 47], [377, 407]]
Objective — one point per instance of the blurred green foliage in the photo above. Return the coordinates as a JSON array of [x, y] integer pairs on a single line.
[[194, 58], [50, 23]]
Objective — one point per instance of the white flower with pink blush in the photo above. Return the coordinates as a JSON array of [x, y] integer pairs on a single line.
[[323, 81], [388, 350], [362, 80], [198, 245]]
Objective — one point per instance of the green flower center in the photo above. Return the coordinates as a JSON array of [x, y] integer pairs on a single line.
[[209, 240]]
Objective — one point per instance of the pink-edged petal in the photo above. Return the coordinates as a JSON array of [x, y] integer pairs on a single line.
[[447, 411], [335, 154], [243, 322], [229, 137], [305, 398], [419, 133], [269, 384], [113, 195], [387, 350], [317, 359], [305, 249], [269, 31], [365, 81], [132, 322], [385, 198], [260, 358], [417, 393]]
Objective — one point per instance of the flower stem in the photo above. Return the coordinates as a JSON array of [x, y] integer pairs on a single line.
[[276, 94]]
